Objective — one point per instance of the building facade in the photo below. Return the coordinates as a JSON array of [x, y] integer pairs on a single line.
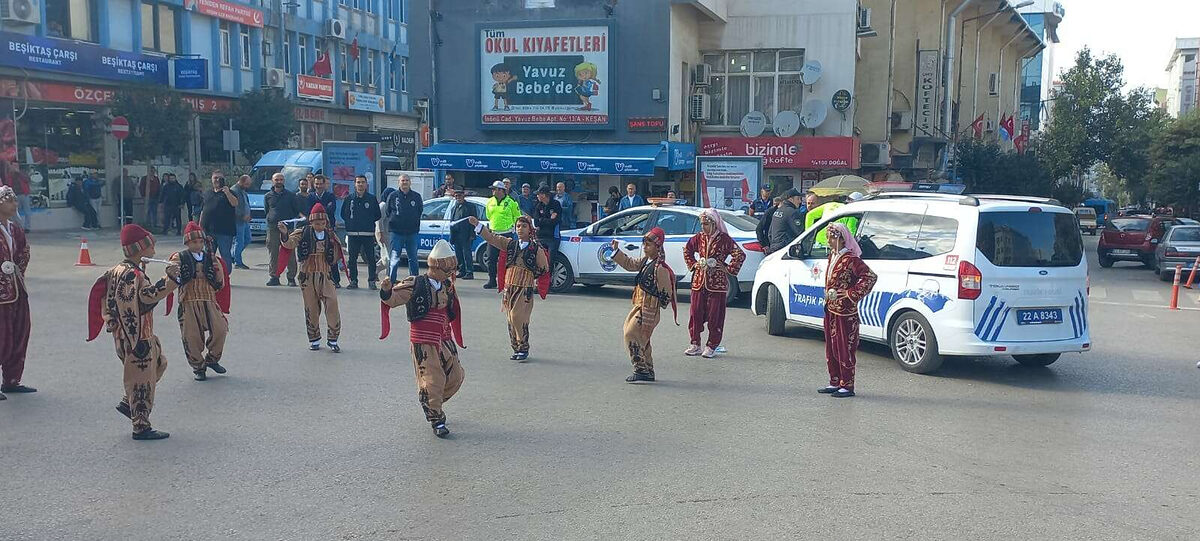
[[1039, 72], [63, 62], [1183, 79]]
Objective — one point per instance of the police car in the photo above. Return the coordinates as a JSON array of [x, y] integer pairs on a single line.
[[435, 225], [585, 255], [958, 275]]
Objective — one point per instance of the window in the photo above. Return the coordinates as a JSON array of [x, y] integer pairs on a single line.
[[1185, 234], [678, 223], [371, 69], [435, 210], [767, 81], [630, 224], [358, 67], [72, 19], [302, 44], [1030, 239], [813, 245], [938, 236], [245, 47], [1126, 225], [404, 75], [225, 43], [158, 28], [889, 235], [286, 52], [342, 68]]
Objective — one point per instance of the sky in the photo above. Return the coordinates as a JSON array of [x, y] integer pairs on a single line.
[[1141, 32]]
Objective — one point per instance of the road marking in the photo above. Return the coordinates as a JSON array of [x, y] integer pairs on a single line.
[[1146, 295], [1143, 305], [1099, 293]]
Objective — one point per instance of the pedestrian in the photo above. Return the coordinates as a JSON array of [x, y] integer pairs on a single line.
[[13, 177], [94, 187], [360, 211], [435, 325], [129, 190], [568, 205], [173, 198], [404, 226], [322, 193], [526, 200], [502, 213], [631, 199], [241, 221], [762, 231], [847, 282], [759, 206], [382, 235], [122, 301], [193, 197], [219, 216], [446, 188], [14, 297], [149, 189], [462, 235], [547, 216], [203, 302], [77, 198], [787, 221], [318, 250], [525, 270], [303, 189], [614, 201], [654, 290], [280, 205], [713, 257]]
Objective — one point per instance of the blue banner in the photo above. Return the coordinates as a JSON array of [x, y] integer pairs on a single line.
[[535, 164], [191, 73], [678, 156], [49, 54]]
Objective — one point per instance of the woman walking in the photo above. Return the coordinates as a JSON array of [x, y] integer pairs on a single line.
[[847, 281]]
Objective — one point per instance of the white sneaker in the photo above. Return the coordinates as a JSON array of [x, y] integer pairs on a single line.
[[692, 351], [708, 353]]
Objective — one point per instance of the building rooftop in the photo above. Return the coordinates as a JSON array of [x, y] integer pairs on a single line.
[[1181, 45]]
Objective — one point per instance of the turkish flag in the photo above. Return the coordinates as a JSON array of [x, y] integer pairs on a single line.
[[977, 127], [354, 49], [321, 67]]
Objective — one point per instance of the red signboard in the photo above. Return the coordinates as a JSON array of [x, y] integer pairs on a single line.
[[314, 88], [309, 114], [92, 95], [647, 123], [788, 152], [229, 11], [119, 127]]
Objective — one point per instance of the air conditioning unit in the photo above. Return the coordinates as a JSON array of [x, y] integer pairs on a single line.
[[702, 75], [20, 12], [902, 121], [701, 107], [274, 78], [864, 18], [335, 29], [993, 84], [876, 154]]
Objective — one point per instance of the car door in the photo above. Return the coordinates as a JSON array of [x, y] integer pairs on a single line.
[[678, 227], [889, 244], [434, 224], [806, 274], [595, 250]]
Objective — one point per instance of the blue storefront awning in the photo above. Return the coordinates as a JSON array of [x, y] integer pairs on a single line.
[[584, 159]]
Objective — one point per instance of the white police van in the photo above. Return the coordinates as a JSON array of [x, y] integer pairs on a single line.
[[958, 276]]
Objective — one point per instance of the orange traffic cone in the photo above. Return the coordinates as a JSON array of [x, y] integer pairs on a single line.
[[85, 257]]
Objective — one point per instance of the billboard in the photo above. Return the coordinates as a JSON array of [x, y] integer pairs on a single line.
[[314, 88], [80, 58], [728, 183], [801, 152], [545, 76], [343, 160]]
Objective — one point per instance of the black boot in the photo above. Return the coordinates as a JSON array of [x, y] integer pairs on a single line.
[[490, 285], [333, 345], [352, 285], [2, 397], [639, 376], [216, 367], [440, 430], [123, 409], [274, 281], [17, 388], [150, 434], [200, 375]]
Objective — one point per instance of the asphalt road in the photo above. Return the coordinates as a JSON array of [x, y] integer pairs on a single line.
[[293, 444]]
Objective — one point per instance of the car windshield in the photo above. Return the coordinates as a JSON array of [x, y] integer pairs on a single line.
[[1130, 224], [260, 177], [1185, 234], [1030, 239], [1085, 213]]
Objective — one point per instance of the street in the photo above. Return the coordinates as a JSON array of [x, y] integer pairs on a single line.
[[293, 444]]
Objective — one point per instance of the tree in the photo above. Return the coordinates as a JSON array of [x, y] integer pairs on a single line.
[[159, 121], [1176, 164], [266, 121], [986, 168], [1112, 187]]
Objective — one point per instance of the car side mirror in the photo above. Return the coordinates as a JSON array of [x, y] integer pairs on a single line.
[[796, 251]]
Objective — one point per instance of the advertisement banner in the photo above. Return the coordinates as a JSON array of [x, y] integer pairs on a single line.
[[93, 95], [79, 58], [236, 13], [789, 152], [925, 114], [191, 73], [362, 101], [545, 77], [343, 160], [314, 88], [537, 164], [728, 183]]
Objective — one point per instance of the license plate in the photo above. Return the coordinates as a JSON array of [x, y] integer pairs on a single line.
[[1122, 252], [258, 227], [1041, 316]]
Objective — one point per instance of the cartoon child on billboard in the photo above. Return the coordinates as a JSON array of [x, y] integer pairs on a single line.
[[588, 86], [502, 75]]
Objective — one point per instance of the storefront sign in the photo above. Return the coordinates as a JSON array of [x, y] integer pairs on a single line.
[[344, 160], [191, 73], [229, 11], [677, 156], [362, 101], [79, 58], [788, 152], [647, 123], [924, 117], [536, 164], [545, 77], [93, 95], [728, 183], [203, 104], [310, 114], [841, 100], [314, 88]]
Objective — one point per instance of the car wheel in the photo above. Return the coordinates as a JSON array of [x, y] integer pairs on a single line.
[[481, 257], [1104, 261], [776, 318], [1041, 359], [1165, 275], [1149, 261], [732, 293], [1093, 232], [913, 344], [561, 275]]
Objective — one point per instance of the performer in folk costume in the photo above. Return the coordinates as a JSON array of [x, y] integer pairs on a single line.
[[122, 301], [713, 257], [523, 269], [435, 317], [847, 281], [318, 250], [203, 301], [655, 289], [14, 297]]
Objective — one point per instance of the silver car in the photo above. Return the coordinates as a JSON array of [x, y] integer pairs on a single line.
[[1180, 246]]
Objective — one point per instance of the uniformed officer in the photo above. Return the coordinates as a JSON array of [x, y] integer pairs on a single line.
[[788, 221]]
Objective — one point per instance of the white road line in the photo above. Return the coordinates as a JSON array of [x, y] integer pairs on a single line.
[[1163, 306], [1146, 295], [1099, 293]]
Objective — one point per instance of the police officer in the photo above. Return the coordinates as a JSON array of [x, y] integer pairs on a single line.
[[788, 220]]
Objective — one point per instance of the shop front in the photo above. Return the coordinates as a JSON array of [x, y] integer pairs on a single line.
[[791, 162]]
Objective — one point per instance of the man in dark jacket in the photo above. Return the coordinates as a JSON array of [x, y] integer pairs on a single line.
[[404, 226], [78, 199], [763, 230], [323, 194], [614, 201], [462, 234], [547, 216], [172, 200], [787, 222], [360, 210], [281, 204]]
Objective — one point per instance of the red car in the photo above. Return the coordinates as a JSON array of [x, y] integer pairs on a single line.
[[1133, 238]]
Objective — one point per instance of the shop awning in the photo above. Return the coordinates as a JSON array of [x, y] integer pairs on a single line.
[[583, 159]]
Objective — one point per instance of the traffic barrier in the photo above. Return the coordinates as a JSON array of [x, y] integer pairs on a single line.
[[85, 256], [1175, 288], [1192, 275]]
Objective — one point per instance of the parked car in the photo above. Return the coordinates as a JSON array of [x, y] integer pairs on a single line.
[[1087, 219], [1179, 246], [958, 275], [1133, 238], [435, 224], [585, 255]]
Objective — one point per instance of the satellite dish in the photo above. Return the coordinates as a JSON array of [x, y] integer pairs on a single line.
[[813, 113], [753, 124], [810, 73], [786, 124]]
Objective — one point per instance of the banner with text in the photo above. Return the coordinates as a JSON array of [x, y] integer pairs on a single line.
[[789, 152], [229, 11], [314, 88], [79, 58], [728, 183]]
